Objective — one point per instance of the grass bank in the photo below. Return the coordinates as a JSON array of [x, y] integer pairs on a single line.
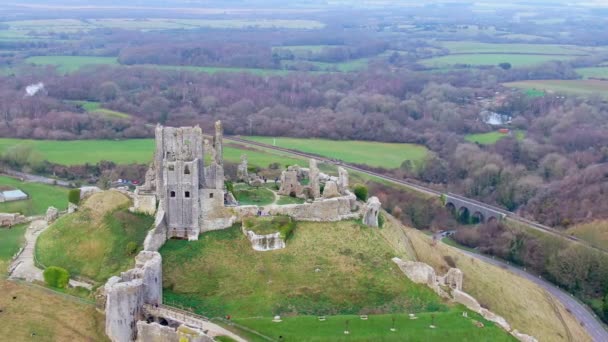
[[93, 242]]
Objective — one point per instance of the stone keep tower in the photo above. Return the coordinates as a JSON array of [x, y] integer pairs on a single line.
[[179, 161]]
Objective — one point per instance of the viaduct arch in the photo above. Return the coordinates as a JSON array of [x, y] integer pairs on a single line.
[[471, 211]]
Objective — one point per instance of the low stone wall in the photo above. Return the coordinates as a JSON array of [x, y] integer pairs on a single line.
[[267, 242], [157, 236], [154, 332], [422, 273], [11, 219], [320, 210]]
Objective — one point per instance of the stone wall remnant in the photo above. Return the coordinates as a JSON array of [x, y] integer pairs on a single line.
[[242, 173], [51, 215], [313, 176], [342, 179], [290, 186], [371, 212], [11, 219], [126, 294], [330, 190]]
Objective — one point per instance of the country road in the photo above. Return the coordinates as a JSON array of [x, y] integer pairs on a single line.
[[580, 311], [583, 314]]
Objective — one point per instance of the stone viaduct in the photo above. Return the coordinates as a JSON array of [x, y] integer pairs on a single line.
[[470, 210]]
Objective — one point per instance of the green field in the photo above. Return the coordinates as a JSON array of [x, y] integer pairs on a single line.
[[577, 87], [95, 108], [10, 242], [470, 47], [68, 64], [597, 72], [41, 196], [349, 66], [79, 152], [387, 155], [491, 138], [533, 93], [450, 326], [93, 241], [516, 60]]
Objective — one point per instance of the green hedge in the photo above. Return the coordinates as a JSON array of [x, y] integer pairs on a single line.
[[56, 277], [74, 196], [361, 192]]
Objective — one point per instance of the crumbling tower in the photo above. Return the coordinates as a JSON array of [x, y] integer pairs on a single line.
[[179, 162]]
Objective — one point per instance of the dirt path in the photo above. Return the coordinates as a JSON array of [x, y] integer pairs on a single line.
[[24, 266]]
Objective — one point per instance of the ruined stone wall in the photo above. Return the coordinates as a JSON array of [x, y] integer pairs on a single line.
[[154, 332], [11, 219], [126, 294]]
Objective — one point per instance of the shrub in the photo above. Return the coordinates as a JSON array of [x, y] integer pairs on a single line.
[[131, 248], [229, 186], [287, 225], [361, 192], [56, 277], [381, 220], [74, 196], [274, 166]]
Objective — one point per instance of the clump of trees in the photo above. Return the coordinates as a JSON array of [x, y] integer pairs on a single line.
[[361, 192]]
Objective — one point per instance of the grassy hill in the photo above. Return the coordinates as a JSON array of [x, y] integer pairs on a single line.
[[526, 306], [93, 241], [596, 233], [338, 269], [48, 315]]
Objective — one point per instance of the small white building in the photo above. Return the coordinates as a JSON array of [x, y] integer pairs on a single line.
[[12, 195]]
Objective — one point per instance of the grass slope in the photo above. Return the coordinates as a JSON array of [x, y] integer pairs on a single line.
[[51, 316], [41, 196], [451, 326], [388, 155], [526, 306], [10, 242], [576, 87], [68, 64], [92, 242], [596, 233], [221, 274], [491, 138], [516, 60]]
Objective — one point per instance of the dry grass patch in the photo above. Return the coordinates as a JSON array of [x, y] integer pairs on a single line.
[[526, 306], [50, 316], [596, 233]]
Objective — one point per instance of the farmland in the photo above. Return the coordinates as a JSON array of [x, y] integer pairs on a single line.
[[75, 25], [576, 87], [491, 138], [595, 72], [471, 47], [388, 155], [516, 60], [40, 197], [68, 64], [95, 108]]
